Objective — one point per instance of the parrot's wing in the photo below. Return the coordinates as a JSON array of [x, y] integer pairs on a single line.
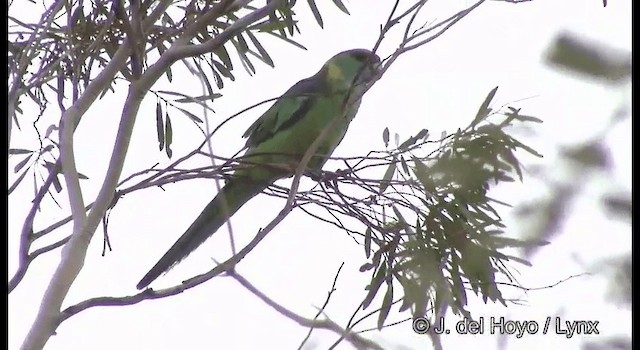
[[287, 111]]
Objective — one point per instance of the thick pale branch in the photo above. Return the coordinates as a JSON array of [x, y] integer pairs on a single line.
[[75, 251]]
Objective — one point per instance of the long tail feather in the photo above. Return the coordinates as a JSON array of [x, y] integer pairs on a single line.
[[230, 198]]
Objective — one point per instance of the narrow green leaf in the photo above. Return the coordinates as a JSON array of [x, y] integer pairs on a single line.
[[222, 53], [422, 173], [423, 134], [287, 15], [374, 286], [400, 218], [387, 176], [290, 41], [263, 53], [484, 110], [224, 70], [409, 289], [168, 136], [316, 13], [18, 180], [242, 43], [56, 184], [273, 18], [377, 256], [198, 98], [189, 98], [405, 167], [46, 149], [242, 53], [406, 144], [528, 118], [19, 151], [341, 6], [204, 78], [526, 148], [386, 306], [248, 66], [161, 50], [366, 267], [22, 163], [511, 159], [385, 137], [190, 115], [367, 242], [520, 260], [216, 76], [159, 126]]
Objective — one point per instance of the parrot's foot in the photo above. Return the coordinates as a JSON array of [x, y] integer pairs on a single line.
[[315, 175], [328, 177]]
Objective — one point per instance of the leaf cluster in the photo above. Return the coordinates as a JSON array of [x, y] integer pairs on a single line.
[[75, 40], [444, 236]]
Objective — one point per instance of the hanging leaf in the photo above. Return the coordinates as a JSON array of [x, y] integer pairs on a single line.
[[316, 13], [222, 53], [388, 175], [385, 137], [374, 286], [216, 77], [422, 173], [242, 53], [168, 136], [403, 162], [367, 242], [263, 53], [56, 184], [341, 6], [204, 78], [387, 302], [169, 74], [224, 70], [159, 126]]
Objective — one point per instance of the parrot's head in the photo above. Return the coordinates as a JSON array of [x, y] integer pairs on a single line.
[[357, 68]]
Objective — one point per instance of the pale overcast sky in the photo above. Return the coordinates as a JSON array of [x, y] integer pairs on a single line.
[[438, 87]]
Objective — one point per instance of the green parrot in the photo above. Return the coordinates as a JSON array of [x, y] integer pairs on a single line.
[[278, 140]]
